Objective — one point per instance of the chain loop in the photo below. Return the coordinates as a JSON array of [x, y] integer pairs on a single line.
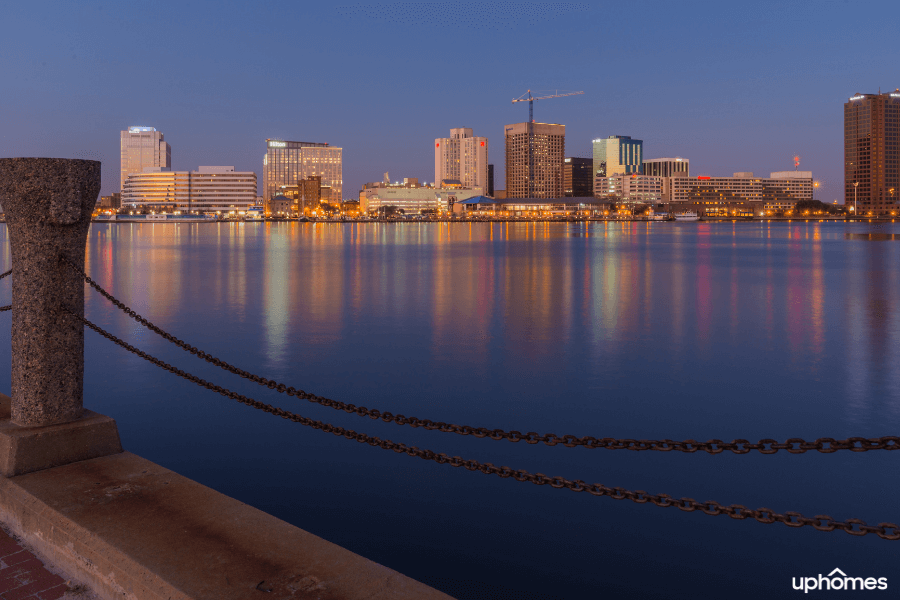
[[856, 527], [739, 446]]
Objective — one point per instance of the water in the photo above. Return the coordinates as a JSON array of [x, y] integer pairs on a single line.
[[661, 330]]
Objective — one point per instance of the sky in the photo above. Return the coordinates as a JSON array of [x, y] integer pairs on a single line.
[[730, 86]]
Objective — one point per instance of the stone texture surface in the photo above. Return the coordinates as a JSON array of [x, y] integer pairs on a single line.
[[48, 204], [28, 449], [132, 529]]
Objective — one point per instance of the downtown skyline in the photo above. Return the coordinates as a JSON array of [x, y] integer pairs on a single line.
[[743, 89]]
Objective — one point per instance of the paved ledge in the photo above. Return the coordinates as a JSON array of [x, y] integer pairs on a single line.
[[134, 530]]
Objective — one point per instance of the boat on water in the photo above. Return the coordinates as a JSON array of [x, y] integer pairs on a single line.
[[160, 218], [687, 215]]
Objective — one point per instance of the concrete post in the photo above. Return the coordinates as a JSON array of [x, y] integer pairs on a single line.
[[48, 203]]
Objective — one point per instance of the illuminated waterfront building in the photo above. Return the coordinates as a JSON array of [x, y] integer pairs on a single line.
[[286, 163], [412, 198], [534, 160], [305, 195], [578, 176], [781, 191], [872, 153], [618, 155], [208, 189], [667, 168], [462, 157], [142, 148], [629, 188]]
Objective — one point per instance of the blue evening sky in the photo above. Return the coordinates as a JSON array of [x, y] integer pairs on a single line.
[[731, 86]]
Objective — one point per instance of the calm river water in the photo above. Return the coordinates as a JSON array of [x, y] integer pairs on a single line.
[[663, 330]]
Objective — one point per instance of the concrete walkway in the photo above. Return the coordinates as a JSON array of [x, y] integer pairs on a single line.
[[22, 574]]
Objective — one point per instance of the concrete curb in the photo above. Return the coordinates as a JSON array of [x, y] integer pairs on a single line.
[[134, 530]]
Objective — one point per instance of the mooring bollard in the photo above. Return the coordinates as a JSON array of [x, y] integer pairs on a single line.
[[48, 204]]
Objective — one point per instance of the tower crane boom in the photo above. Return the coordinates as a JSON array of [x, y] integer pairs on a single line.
[[527, 97]]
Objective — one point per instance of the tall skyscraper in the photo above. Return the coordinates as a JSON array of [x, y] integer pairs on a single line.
[[286, 163], [872, 153], [578, 176], [142, 147], [534, 160], [462, 157]]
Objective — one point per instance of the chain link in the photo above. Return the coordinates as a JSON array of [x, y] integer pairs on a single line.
[[856, 527], [6, 274], [715, 446], [6, 308]]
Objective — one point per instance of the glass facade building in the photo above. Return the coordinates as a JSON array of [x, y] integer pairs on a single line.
[[142, 148], [872, 153], [618, 155], [286, 163], [578, 176]]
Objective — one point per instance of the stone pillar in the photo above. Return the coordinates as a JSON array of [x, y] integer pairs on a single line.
[[48, 204]]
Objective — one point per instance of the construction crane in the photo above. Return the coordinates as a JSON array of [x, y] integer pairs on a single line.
[[530, 100], [527, 97]]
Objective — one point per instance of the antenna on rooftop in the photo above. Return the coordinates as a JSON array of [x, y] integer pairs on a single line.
[[796, 162]]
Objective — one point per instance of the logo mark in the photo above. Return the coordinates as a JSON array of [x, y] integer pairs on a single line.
[[838, 580]]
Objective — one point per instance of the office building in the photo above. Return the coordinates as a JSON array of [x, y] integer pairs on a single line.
[[618, 155], [111, 202], [208, 189], [142, 148], [462, 157], [578, 176], [667, 167], [490, 185], [534, 160], [639, 189], [872, 153], [305, 195], [286, 163], [781, 191]]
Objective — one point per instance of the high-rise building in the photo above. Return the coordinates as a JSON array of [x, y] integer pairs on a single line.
[[208, 189], [667, 167], [618, 155], [286, 163], [534, 160], [490, 185], [461, 157], [578, 174], [143, 148], [872, 153]]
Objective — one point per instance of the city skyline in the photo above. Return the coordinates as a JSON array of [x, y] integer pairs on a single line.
[[753, 87]]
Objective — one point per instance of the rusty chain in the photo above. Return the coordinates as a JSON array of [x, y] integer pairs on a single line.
[[825, 445], [856, 527], [6, 308], [6, 274]]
